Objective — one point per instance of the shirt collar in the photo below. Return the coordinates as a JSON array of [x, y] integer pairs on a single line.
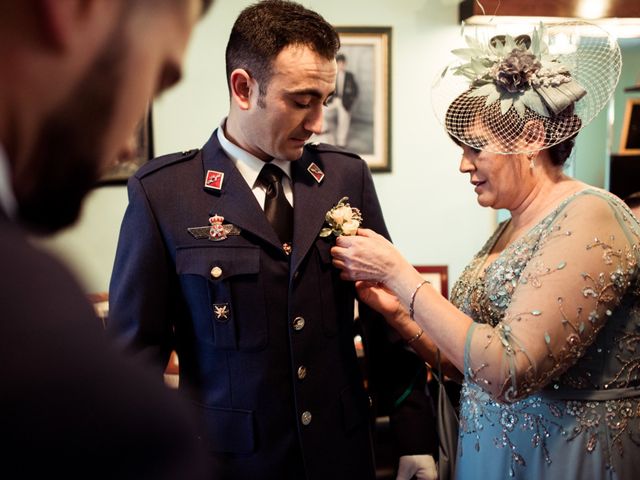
[[7, 199], [247, 164]]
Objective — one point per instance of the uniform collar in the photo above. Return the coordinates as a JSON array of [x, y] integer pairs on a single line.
[[7, 199], [247, 164]]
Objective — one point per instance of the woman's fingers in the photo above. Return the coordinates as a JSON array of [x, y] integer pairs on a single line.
[[346, 275], [366, 232]]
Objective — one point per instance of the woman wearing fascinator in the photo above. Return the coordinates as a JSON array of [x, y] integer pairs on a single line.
[[544, 322]]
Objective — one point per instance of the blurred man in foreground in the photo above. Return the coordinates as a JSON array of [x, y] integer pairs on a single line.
[[76, 77]]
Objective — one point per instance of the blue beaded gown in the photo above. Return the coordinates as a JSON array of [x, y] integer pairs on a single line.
[[552, 359]]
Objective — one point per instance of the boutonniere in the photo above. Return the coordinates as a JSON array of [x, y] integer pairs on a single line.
[[342, 219]]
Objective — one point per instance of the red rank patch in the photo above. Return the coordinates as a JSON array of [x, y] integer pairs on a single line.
[[315, 171], [213, 180]]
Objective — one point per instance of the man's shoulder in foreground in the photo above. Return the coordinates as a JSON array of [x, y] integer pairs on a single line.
[[68, 394]]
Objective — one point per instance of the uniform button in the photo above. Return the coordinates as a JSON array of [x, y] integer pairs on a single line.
[[298, 323], [305, 418], [216, 272], [302, 372]]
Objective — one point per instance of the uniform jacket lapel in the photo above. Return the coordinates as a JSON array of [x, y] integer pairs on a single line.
[[235, 200], [312, 200]]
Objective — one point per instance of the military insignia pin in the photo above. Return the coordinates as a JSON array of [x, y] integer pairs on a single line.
[[216, 232], [221, 311], [213, 180], [315, 172]]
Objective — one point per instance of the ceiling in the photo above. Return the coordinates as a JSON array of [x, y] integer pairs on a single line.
[[620, 17]]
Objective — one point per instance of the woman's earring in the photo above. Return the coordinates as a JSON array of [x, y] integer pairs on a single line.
[[531, 156]]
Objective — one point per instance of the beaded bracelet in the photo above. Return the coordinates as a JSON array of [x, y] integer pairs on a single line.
[[413, 297]]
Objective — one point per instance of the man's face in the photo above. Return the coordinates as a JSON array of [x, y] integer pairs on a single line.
[[279, 124], [91, 128]]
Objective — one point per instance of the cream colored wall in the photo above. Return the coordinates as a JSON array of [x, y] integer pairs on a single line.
[[430, 208]]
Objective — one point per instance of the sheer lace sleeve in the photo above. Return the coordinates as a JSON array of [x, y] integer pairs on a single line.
[[579, 265]]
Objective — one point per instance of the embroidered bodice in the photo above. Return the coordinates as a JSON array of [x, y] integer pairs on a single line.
[[540, 306], [552, 359]]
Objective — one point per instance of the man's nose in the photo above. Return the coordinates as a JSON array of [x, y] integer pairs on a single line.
[[313, 121]]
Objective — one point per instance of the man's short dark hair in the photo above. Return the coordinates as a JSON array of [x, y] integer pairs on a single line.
[[264, 29]]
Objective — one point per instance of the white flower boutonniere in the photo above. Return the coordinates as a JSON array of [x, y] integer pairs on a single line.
[[342, 219]]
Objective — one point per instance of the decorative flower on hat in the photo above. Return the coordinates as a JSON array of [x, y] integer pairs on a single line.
[[510, 94], [343, 219], [518, 72]]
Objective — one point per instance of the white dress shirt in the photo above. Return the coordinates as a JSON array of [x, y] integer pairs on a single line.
[[250, 167], [7, 199]]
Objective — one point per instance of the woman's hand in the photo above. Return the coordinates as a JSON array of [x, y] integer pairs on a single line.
[[382, 301], [367, 256]]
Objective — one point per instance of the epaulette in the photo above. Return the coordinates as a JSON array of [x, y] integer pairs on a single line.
[[327, 148], [165, 160]]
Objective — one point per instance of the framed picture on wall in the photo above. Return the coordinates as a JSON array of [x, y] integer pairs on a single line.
[[358, 117], [438, 276], [142, 145], [630, 136]]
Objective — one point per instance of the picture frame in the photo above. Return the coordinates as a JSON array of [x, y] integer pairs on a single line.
[[367, 130], [122, 170], [630, 132], [437, 275]]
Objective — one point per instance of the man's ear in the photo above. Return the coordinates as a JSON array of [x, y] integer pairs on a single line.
[[242, 87]]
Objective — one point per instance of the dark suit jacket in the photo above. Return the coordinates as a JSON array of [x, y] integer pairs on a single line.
[[70, 405], [284, 313]]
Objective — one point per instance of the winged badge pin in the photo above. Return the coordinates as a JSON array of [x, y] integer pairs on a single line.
[[216, 232]]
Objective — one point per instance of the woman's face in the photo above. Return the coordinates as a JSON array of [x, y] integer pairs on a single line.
[[500, 181]]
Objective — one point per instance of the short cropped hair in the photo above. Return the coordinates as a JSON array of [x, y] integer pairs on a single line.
[[264, 29]]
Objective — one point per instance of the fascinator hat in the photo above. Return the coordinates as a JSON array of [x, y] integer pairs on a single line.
[[517, 94]]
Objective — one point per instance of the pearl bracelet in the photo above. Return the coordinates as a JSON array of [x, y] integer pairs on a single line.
[[413, 297]]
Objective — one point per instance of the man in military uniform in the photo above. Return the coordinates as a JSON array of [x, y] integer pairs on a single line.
[[76, 77], [220, 258]]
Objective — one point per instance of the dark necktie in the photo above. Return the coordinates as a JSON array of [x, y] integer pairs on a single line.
[[277, 208]]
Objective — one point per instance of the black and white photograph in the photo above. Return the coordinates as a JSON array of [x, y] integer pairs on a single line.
[[357, 117]]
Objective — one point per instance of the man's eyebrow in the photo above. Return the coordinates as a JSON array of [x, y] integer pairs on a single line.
[[306, 91]]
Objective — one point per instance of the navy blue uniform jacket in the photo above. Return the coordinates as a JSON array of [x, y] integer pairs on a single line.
[[275, 378]]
